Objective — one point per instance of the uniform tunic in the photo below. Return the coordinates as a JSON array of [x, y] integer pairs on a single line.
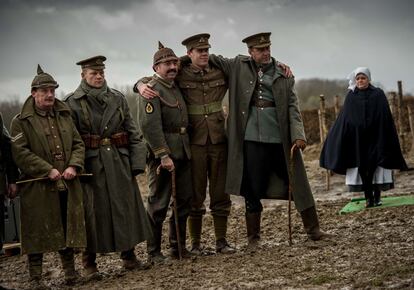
[[164, 123], [203, 91]]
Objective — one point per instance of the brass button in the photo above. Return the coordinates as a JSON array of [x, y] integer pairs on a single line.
[[109, 149]]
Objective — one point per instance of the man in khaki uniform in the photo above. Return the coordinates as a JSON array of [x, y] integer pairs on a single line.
[[204, 88], [46, 144], [164, 123], [264, 122], [115, 215]]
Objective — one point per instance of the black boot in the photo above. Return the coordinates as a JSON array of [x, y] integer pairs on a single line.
[[377, 197], [182, 228], [369, 198], [311, 224], [253, 229], [154, 245]]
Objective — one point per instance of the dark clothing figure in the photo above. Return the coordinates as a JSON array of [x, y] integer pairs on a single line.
[[363, 137]]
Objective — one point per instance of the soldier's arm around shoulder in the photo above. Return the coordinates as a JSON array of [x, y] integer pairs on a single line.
[[141, 81], [297, 130], [150, 123], [226, 65], [28, 162], [70, 102]]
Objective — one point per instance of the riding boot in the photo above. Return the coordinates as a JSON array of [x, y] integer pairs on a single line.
[[220, 230], [194, 230], [311, 224], [253, 229], [154, 245]]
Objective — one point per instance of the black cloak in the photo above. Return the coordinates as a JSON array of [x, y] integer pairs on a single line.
[[363, 135]]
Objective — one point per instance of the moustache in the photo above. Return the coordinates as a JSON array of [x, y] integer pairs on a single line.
[[171, 70]]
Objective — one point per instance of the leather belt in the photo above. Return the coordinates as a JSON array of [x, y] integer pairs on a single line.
[[95, 141], [178, 130], [204, 109], [261, 103]]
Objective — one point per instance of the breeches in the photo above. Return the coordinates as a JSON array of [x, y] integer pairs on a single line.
[[260, 161]]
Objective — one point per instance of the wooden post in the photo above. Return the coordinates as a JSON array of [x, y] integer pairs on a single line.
[[400, 120], [336, 106], [324, 132], [410, 120], [320, 126]]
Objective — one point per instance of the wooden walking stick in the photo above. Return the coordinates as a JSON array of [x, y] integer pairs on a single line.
[[292, 150], [175, 210], [46, 177]]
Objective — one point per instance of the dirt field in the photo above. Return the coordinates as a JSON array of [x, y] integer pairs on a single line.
[[372, 249]]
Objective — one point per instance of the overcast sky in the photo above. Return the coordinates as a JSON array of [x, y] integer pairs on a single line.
[[317, 38]]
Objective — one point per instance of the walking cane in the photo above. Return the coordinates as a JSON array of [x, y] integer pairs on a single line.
[[175, 210], [292, 150]]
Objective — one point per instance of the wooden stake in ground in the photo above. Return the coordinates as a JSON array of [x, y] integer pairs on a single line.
[[324, 131], [400, 108], [336, 106]]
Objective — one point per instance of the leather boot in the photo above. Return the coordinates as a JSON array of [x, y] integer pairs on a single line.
[[154, 245], [68, 265], [311, 224], [130, 261], [194, 230], [253, 229], [377, 197], [89, 266], [220, 230], [182, 227]]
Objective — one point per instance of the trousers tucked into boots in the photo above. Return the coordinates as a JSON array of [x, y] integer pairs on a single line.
[[253, 227]]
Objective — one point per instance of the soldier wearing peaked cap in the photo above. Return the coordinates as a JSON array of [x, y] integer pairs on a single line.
[[115, 154], [45, 143], [164, 124], [264, 122], [203, 88]]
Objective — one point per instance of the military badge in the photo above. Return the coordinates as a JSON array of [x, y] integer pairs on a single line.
[[149, 108]]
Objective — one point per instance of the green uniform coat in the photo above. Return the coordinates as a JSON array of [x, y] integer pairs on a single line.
[[41, 224], [115, 214], [242, 81]]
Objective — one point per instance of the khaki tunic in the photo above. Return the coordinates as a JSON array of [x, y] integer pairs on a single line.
[[115, 214], [41, 223], [206, 89]]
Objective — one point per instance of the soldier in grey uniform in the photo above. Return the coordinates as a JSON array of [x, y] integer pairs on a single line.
[[204, 87], [114, 212], [164, 123], [264, 122]]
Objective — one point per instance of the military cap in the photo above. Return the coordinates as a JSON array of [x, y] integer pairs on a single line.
[[163, 54], [197, 41], [258, 40], [43, 80], [95, 62]]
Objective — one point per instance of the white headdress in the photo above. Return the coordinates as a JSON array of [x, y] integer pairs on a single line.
[[354, 73]]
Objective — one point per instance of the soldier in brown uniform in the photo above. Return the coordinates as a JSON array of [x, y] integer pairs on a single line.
[[164, 122], [115, 215], [204, 88], [46, 144]]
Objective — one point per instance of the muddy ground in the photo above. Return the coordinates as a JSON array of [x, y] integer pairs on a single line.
[[372, 249]]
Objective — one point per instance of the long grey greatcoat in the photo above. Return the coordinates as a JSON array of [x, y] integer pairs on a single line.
[[115, 215], [242, 81], [40, 217]]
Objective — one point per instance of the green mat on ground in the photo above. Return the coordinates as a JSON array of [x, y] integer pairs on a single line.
[[357, 204]]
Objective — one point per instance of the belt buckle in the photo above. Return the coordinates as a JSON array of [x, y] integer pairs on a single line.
[[206, 109], [58, 156], [183, 130], [105, 141]]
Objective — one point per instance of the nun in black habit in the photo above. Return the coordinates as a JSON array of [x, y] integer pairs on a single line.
[[363, 142]]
